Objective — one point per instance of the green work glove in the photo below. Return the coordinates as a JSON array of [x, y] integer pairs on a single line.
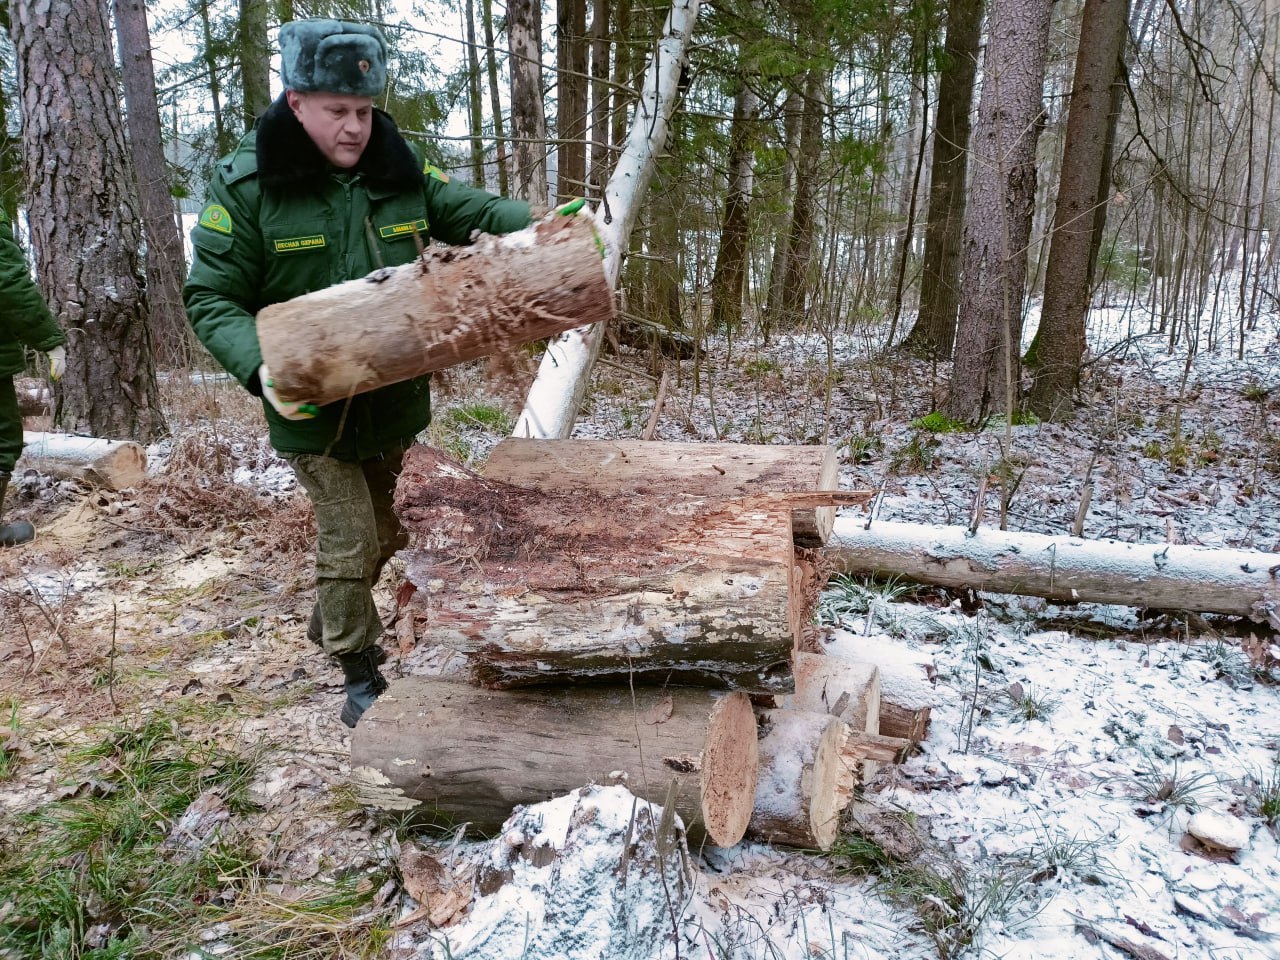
[[286, 408], [578, 206], [57, 363]]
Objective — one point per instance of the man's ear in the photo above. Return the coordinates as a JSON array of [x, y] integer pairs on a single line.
[[294, 99]]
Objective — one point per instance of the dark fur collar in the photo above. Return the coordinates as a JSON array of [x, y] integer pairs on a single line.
[[289, 160]]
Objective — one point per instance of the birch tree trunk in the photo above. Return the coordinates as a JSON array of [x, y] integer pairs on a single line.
[[1059, 345], [986, 373], [934, 332], [528, 112], [84, 228], [166, 261]]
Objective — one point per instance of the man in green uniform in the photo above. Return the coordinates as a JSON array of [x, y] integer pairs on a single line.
[[323, 190], [25, 321]]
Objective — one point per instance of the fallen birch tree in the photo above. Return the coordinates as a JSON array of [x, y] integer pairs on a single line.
[[1244, 583]]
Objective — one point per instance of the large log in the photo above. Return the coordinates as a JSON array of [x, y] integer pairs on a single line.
[[1243, 583], [804, 779], [115, 464], [675, 472], [454, 304], [846, 689], [472, 755], [536, 585]]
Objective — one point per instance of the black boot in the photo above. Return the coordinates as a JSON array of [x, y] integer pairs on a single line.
[[12, 534], [363, 681]]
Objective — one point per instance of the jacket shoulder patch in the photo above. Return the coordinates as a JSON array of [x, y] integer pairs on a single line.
[[215, 217], [431, 170]]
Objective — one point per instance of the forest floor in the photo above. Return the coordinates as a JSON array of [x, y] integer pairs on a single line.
[[174, 777]]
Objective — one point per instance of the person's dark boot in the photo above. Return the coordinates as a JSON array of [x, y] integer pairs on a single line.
[[363, 681], [12, 534]]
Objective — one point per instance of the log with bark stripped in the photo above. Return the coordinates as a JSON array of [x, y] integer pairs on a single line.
[[454, 304], [804, 781], [115, 464], [536, 585], [675, 472], [469, 754]]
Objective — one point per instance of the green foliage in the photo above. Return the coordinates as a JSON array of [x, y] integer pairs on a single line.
[[1255, 392], [1172, 786], [1120, 268], [761, 367], [1025, 703], [848, 596], [1262, 794], [864, 448], [938, 422]]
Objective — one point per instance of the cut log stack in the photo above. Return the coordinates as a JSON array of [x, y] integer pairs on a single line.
[[620, 604]]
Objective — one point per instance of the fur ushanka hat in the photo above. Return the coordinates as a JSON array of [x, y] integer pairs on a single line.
[[333, 56]]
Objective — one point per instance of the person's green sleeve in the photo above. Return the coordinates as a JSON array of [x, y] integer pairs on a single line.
[[226, 273], [455, 210], [24, 315]]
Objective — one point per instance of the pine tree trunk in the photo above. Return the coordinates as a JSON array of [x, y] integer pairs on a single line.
[[571, 98], [933, 334], [1059, 344], [600, 97], [792, 113], [987, 373], [84, 228], [255, 62], [730, 274], [495, 100], [796, 281], [474, 97], [528, 112], [166, 261]]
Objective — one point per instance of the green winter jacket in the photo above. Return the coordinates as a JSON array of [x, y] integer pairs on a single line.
[[281, 222], [25, 320]]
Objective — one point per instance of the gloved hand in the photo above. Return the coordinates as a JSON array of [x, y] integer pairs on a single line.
[[57, 363], [286, 408], [578, 207]]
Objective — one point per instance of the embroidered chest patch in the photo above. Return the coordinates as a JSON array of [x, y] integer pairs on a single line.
[[393, 230], [299, 244]]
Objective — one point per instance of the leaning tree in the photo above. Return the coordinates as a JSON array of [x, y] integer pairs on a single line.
[[81, 208]]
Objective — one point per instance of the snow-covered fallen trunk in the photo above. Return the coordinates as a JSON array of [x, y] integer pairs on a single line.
[[561, 383], [115, 464], [1151, 576]]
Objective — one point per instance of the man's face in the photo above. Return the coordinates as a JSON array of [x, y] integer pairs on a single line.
[[338, 123]]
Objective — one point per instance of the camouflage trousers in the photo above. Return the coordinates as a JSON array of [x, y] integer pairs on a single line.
[[10, 425], [358, 533]]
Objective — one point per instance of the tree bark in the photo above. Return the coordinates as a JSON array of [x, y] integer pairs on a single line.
[[528, 112], [804, 780], [986, 375], [84, 228], [792, 113], [166, 261], [571, 99], [561, 383], [675, 472], [534, 586], [457, 304], [114, 464], [1059, 345], [934, 332], [473, 755], [1241, 583], [729, 278]]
